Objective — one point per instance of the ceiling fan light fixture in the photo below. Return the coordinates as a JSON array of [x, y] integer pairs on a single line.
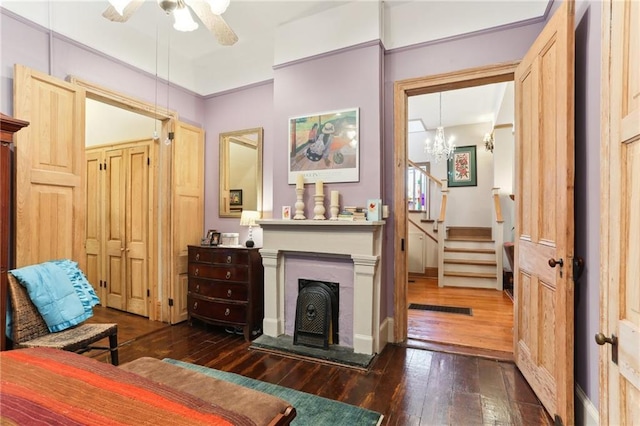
[[119, 5], [218, 7], [167, 5], [183, 20]]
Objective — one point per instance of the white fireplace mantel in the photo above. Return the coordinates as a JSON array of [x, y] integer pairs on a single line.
[[360, 241]]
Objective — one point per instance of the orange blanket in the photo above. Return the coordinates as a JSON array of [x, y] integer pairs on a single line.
[[53, 387]]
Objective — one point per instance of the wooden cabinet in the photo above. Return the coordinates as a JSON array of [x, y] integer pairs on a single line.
[[8, 126], [226, 287]]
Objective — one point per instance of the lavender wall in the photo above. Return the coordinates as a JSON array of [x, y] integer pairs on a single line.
[[26, 43], [236, 110], [587, 193]]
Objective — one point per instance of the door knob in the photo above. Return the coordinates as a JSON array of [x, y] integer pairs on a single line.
[[553, 262], [601, 339]]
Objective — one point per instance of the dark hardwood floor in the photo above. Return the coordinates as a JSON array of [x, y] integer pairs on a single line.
[[409, 386]]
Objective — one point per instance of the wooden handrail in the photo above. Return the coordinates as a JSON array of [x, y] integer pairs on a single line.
[[497, 207], [421, 229], [424, 172], [443, 208]]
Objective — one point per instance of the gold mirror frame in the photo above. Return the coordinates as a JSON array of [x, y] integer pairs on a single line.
[[240, 171]]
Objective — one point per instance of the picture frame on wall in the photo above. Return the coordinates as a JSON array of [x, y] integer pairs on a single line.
[[462, 167], [235, 197], [325, 147]]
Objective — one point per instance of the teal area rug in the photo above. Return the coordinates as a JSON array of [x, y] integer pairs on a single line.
[[310, 409]]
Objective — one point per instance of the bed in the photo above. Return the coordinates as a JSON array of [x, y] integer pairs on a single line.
[[55, 387]]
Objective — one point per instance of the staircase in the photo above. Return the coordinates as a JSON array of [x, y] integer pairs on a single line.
[[469, 258]]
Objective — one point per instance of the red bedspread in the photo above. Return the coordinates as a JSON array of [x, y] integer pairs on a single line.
[[52, 387]]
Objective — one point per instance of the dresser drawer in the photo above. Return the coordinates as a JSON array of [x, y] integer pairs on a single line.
[[217, 311], [219, 289], [218, 255], [224, 273]]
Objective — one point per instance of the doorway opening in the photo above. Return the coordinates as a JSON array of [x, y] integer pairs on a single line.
[[430, 281]]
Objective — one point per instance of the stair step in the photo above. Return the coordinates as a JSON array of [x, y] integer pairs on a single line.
[[468, 231], [483, 239], [467, 250], [470, 275], [471, 262], [427, 220]]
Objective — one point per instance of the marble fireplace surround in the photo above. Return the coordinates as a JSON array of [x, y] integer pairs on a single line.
[[359, 241]]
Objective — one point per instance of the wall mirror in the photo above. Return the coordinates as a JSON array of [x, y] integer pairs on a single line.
[[240, 172]]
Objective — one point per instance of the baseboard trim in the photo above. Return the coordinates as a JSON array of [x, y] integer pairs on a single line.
[[586, 413]]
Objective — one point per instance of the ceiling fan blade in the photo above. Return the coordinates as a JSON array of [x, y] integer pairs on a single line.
[[215, 23], [111, 14]]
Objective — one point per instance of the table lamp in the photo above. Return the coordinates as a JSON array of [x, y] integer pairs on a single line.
[[248, 218]]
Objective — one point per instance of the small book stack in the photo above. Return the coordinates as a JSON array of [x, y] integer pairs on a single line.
[[353, 213]]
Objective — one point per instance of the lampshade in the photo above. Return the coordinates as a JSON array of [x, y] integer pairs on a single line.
[[249, 217], [119, 5], [184, 21]]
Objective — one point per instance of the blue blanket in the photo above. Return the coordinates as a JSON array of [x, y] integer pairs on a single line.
[[53, 294]]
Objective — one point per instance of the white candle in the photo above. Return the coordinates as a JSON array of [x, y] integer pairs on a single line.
[[319, 190], [334, 198], [300, 181]]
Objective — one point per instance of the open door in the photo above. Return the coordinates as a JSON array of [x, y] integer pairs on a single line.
[[187, 210], [620, 239], [543, 275], [50, 169]]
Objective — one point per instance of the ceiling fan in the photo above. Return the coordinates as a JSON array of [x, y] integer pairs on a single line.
[[209, 12]]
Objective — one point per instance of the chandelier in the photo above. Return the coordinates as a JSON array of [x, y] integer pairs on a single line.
[[440, 147]]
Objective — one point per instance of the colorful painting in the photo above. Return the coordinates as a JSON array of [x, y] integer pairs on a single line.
[[324, 146], [461, 168]]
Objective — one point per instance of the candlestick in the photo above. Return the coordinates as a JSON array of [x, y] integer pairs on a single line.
[[300, 181], [334, 211], [334, 198], [299, 205], [319, 188], [319, 208]]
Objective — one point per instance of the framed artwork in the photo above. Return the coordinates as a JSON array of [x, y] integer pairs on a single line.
[[210, 234], [235, 197], [325, 146], [461, 167], [215, 238]]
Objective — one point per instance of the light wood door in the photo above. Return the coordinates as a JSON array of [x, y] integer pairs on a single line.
[[50, 174], [543, 332], [94, 220], [127, 229], [620, 240], [187, 209]]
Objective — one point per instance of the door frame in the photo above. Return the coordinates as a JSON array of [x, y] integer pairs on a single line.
[[159, 272], [471, 77]]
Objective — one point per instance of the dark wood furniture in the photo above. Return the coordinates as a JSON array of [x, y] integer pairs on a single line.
[[226, 287], [8, 127]]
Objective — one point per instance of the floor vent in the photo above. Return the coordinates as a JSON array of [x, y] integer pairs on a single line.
[[440, 308]]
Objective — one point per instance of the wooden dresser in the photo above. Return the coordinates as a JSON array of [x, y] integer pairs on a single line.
[[226, 287], [8, 126]]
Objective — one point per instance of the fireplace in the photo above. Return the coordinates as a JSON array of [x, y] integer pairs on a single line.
[[316, 321], [359, 244]]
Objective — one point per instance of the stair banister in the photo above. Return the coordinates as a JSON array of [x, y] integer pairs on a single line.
[[441, 231], [431, 180], [498, 235]]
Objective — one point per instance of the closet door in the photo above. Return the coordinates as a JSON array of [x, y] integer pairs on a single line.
[[115, 236], [94, 261]]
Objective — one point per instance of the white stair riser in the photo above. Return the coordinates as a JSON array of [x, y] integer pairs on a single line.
[[468, 256], [470, 244], [466, 267], [470, 282]]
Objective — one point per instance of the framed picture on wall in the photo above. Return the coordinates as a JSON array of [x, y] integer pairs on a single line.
[[325, 146], [235, 197], [461, 167]]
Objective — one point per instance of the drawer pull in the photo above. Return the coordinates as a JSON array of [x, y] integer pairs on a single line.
[[197, 288], [228, 274], [195, 305], [227, 312], [229, 293], [196, 272], [229, 259], [197, 256]]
